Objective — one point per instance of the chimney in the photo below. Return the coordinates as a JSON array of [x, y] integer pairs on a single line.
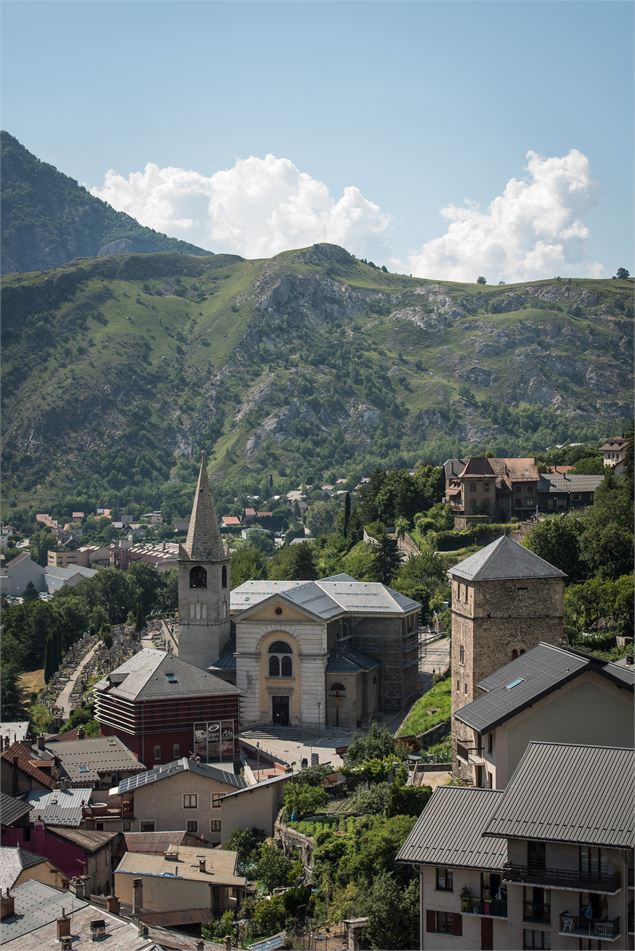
[[137, 896], [63, 926], [112, 905], [201, 865], [200, 945], [143, 931], [63, 783], [67, 942], [7, 906], [78, 887], [40, 742]]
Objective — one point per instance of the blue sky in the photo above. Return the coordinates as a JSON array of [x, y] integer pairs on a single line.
[[418, 105]]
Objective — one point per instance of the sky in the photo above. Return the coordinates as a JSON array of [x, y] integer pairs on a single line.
[[443, 139]]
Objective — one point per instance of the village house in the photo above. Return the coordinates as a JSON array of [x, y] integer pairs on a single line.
[[99, 762], [22, 769], [17, 865], [14, 813], [163, 708], [544, 861], [563, 492], [549, 693], [183, 886], [22, 570], [614, 453], [492, 488], [85, 555], [254, 806], [184, 794]]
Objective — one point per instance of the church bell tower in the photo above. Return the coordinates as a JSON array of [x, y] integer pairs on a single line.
[[203, 576]]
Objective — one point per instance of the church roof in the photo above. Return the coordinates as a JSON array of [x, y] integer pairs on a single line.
[[203, 542], [327, 598], [504, 560], [157, 675]]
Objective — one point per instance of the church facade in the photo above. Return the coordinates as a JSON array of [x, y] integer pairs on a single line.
[[333, 652]]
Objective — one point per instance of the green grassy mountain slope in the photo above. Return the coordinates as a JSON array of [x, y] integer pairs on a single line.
[[308, 365], [48, 219]]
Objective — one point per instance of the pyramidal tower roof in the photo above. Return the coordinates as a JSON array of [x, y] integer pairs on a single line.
[[203, 542], [504, 560]]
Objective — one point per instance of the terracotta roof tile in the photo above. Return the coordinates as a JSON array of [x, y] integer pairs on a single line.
[[26, 761]]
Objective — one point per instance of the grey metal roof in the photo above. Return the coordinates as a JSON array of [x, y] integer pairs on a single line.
[[254, 787], [36, 905], [226, 660], [182, 765], [86, 760], [557, 482], [12, 809], [349, 662], [452, 468], [12, 861], [327, 598], [530, 677], [504, 560], [58, 807], [143, 677], [563, 792], [450, 830]]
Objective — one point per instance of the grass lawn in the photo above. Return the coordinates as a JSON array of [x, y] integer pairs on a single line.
[[32, 681], [434, 707]]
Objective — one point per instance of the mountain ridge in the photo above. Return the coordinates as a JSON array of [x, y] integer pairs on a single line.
[[308, 365], [48, 219]]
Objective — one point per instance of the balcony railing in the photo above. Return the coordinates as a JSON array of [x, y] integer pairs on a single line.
[[495, 908], [533, 911], [601, 881], [581, 926]]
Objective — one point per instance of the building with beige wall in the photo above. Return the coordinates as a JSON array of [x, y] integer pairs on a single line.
[[550, 693], [184, 795], [545, 863], [505, 600], [254, 806], [184, 885]]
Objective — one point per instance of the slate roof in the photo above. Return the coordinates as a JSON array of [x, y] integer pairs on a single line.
[[37, 905], [203, 542], [156, 841], [27, 761], [450, 830], [91, 840], [85, 761], [168, 770], [349, 662], [562, 792], [616, 442], [12, 861], [254, 787], [327, 598], [12, 809], [453, 467], [226, 659], [552, 483], [530, 677], [58, 807], [503, 560], [143, 677]]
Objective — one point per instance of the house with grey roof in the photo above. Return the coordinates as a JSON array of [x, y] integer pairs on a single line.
[[99, 761], [545, 863], [17, 865], [182, 795], [550, 693], [564, 491], [333, 652]]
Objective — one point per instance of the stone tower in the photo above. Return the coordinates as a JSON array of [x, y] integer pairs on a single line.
[[203, 570], [505, 600]]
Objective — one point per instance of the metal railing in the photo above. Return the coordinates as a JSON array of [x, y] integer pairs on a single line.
[[585, 927], [603, 880], [535, 911], [495, 908]]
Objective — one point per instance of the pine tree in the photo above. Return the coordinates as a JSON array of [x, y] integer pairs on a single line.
[[140, 621], [347, 513], [387, 558], [48, 659]]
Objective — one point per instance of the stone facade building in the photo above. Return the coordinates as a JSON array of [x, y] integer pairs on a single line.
[[505, 600], [499, 489]]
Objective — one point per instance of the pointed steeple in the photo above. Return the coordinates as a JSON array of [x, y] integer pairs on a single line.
[[203, 541]]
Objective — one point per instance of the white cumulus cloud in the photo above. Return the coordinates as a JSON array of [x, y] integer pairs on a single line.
[[257, 208], [533, 230]]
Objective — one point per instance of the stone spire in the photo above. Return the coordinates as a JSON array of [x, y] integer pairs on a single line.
[[203, 541]]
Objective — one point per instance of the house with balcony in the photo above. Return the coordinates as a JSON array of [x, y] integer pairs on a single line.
[[545, 863], [614, 453], [549, 693]]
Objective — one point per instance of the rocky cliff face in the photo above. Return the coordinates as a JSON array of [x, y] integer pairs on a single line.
[[310, 365], [48, 219]]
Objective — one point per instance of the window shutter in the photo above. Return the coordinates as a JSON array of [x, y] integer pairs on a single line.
[[457, 924], [431, 921]]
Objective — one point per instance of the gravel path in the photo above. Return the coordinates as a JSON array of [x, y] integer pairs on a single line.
[[64, 699]]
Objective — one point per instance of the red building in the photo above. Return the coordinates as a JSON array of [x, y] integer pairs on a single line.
[[163, 708]]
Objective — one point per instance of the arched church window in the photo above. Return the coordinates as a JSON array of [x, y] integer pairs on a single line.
[[198, 577], [280, 660], [224, 576]]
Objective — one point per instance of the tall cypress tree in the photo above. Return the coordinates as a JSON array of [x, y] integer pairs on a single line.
[[347, 513], [48, 659]]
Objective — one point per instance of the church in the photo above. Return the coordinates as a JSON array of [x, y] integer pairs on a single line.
[[333, 652]]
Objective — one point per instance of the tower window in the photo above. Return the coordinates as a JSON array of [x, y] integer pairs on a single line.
[[224, 576], [198, 577]]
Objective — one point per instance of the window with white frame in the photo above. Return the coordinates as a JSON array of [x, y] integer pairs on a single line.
[[190, 801]]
